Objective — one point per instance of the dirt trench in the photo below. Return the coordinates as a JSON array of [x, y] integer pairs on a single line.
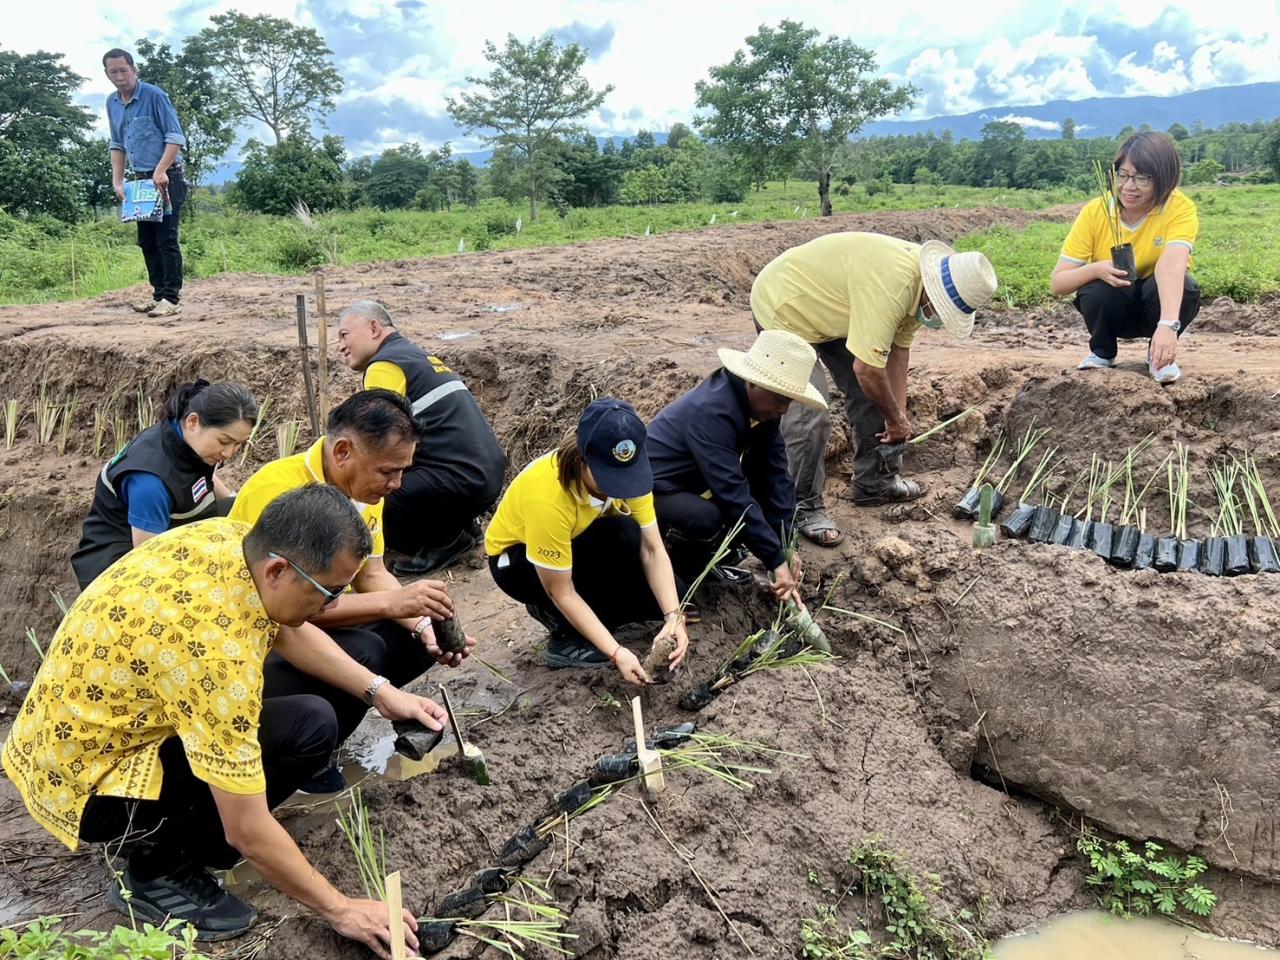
[[1122, 696]]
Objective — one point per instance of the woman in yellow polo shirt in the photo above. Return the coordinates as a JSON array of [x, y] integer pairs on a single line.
[[575, 538], [1160, 222]]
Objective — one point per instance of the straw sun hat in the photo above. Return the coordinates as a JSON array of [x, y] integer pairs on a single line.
[[780, 362], [957, 284]]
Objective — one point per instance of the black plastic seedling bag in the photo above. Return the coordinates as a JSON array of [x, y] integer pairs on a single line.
[[413, 740], [466, 904], [522, 848], [435, 935], [966, 507], [1042, 524], [1188, 556], [1145, 555], [1100, 539], [1262, 555], [1081, 535], [665, 738], [1213, 556], [697, 698], [1018, 524], [1237, 561], [575, 798], [1124, 545], [1063, 529], [1166, 559], [614, 767], [492, 879]]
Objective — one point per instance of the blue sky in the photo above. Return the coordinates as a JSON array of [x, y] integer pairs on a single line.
[[402, 59]]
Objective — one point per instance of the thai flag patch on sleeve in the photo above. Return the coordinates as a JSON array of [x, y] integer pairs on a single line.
[[199, 489]]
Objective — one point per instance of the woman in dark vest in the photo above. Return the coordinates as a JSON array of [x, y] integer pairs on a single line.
[[165, 476]]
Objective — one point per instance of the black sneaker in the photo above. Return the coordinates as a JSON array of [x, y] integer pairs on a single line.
[[731, 576], [190, 894], [435, 558], [545, 618], [563, 652], [328, 780]]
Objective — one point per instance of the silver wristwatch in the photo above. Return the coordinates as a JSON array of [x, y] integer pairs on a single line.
[[1174, 325], [374, 686]]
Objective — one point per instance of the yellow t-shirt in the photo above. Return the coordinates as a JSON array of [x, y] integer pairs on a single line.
[[168, 641], [1174, 224], [862, 288], [385, 375], [541, 514], [281, 476]]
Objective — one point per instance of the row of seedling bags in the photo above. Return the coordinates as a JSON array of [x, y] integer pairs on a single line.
[[1109, 517]]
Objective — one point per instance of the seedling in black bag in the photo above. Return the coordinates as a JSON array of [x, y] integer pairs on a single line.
[[1068, 531], [1169, 549], [1030, 440], [1018, 523], [1230, 522], [887, 451], [1125, 539], [1262, 545], [967, 507]]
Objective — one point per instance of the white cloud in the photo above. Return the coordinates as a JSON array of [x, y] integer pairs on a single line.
[[1029, 123]]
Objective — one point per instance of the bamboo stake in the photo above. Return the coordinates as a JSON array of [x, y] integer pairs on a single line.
[[395, 910], [324, 345], [305, 354]]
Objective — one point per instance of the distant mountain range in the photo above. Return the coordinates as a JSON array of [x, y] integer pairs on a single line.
[[1095, 117], [1105, 116]]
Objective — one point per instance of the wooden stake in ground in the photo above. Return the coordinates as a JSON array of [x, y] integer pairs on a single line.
[[395, 911], [650, 760], [306, 365], [324, 345]]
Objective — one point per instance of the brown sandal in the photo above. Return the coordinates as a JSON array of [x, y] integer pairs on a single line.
[[818, 528]]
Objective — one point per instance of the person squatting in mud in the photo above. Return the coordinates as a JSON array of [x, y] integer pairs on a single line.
[[575, 538], [154, 734], [167, 475], [718, 457], [1160, 223], [859, 299], [386, 627], [458, 465]]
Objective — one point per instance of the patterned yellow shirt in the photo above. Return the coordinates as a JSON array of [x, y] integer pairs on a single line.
[[168, 641]]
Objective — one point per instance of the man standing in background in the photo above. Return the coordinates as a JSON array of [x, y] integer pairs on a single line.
[[146, 138]]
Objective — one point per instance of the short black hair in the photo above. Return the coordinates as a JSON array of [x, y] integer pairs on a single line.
[[116, 53], [310, 525], [378, 417], [1153, 153], [216, 404]]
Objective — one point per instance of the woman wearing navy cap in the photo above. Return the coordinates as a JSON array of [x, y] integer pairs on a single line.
[[575, 538]]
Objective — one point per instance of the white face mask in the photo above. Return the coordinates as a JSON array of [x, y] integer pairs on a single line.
[[933, 323]]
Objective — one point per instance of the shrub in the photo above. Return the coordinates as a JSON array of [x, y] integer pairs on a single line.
[[1128, 882]]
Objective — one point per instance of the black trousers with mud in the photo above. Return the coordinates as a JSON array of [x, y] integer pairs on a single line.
[[1128, 313], [607, 574], [428, 511], [182, 827]]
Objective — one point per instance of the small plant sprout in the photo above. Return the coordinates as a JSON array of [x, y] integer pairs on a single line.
[[287, 437], [101, 427], [1179, 481], [1149, 882], [1026, 446], [253, 434], [146, 408], [1255, 493], [12, 417], [35, 642], [47, 413], [1133, 498], [119, 431], [1104, 182], [937, 427], [993, 456], [1040, 476], [369, 850], [1230, 521], [717, 558], [68, 418]]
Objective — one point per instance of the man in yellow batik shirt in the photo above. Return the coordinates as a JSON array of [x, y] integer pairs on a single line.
[[147, 728]]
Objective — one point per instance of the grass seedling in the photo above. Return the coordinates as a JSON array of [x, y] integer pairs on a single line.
[[101, 427], [1104, 182], [1131, 508], [370, 850], [253, 434], [1042, 474], [1179, 481], [35, 642], [68, 417], [59, 602], [1229, 522], [941, 426], [1030, 440], [993, 456], [47, 414], [1255, 492], [12, 417], [146, 409], [717, 558], [287, 437], [119, 431]]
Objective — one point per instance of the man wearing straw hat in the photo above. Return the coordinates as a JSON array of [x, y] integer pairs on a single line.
[[718, 457], [860, 298]]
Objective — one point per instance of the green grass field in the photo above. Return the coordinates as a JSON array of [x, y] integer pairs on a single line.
[[1239, 253]]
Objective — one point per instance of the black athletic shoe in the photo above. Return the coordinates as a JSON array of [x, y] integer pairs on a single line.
[[328, 780], [731, 576], [565, 653], [191, 894], [435, 558]]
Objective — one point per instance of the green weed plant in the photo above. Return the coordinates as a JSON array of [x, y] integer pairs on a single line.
[[1146, 883], [45, 939]]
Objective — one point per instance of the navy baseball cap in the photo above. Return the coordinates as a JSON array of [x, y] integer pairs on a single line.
[[611, 438]]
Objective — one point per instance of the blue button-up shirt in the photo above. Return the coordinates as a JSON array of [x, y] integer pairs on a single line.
[[142, 127]]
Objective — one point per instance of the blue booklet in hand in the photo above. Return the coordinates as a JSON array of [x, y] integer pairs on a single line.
[[142, 202]]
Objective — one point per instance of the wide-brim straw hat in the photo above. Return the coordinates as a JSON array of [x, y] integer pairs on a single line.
[[781, 362], [958, 285]]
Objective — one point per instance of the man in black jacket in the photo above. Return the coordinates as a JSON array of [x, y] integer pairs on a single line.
[[458, 465], [718, 456]]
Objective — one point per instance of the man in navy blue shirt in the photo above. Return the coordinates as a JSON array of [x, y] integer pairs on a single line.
[[717, 456], [147, 138]]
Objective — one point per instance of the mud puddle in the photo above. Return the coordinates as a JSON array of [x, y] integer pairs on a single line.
[[1100, 936]]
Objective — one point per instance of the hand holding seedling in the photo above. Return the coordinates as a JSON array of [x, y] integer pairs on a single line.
[[674, 628], [394, 704], [1110, 274], [1164, 347], [367, 921], [628, 665], [786, 581], [442, 656], [422, 598], [899, 431]]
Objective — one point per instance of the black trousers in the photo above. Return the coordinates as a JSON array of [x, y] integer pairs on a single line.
[[607, 574], [429, 512], [692, 528], [182, 827], [159, 243], [384, 647], [1128, 313]]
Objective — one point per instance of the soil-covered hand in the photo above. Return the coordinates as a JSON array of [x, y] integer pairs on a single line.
[[448, 659], [423, 598], [1164, 347], [896, 431], [394, 704], [786, 582], [628, 665], [1110, 274], [366, 921], [674, 628]]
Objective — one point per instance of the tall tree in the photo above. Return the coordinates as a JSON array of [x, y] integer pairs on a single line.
[[277, 178], [534, 95], [1068, 129], [199, 97], [396, 177], [793, 92], [274, 71], [36, 108]]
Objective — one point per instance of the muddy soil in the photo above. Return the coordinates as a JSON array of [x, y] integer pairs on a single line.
[[1030, 686]]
